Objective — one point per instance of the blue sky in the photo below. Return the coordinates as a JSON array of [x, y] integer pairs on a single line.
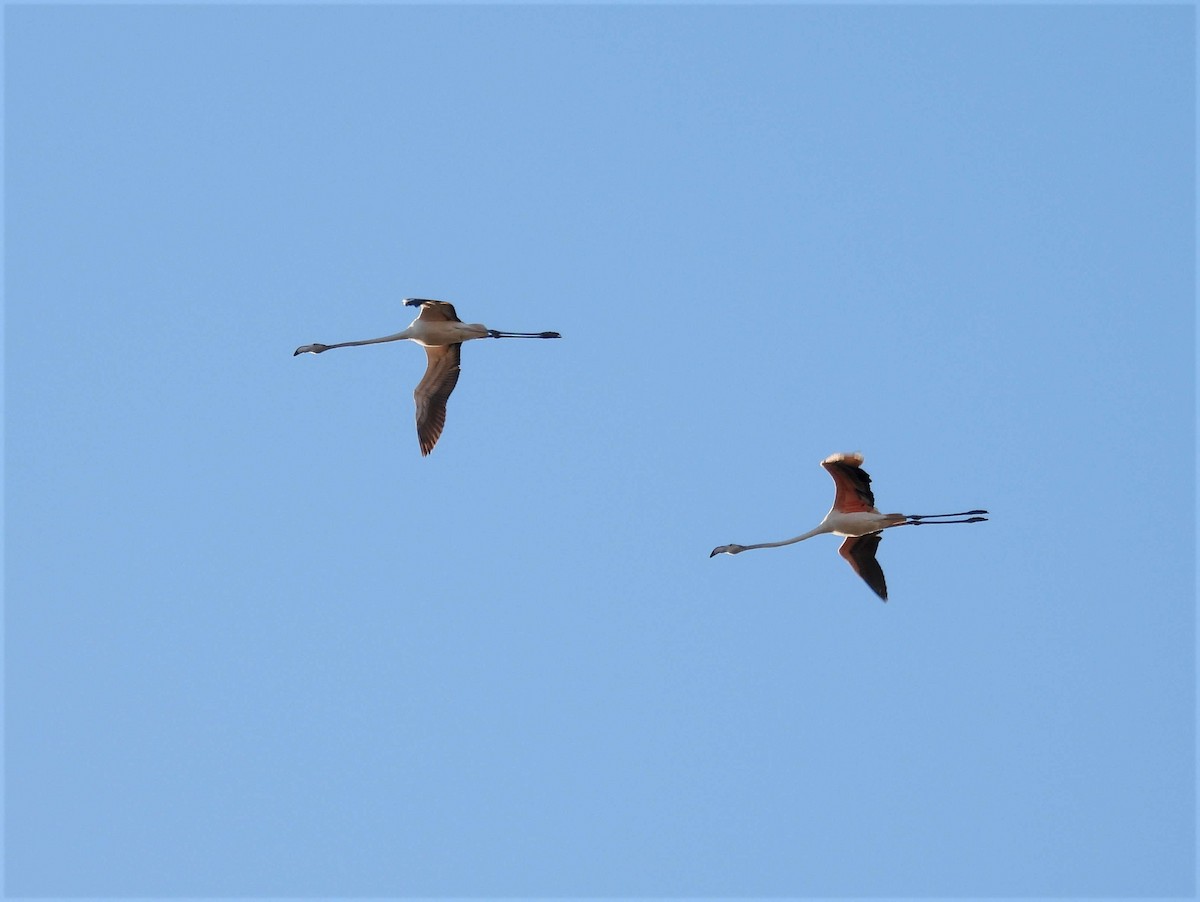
[[257, 646]]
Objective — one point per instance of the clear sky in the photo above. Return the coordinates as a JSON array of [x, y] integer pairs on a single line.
[[256, 645]]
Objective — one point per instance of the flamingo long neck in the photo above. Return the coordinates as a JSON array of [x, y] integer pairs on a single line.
[[808, 535], [372, 341]]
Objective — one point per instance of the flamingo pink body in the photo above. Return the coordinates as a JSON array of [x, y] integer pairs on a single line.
[[854, 516]]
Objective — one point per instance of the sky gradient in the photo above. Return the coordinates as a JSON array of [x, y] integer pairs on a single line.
[[255, 645]]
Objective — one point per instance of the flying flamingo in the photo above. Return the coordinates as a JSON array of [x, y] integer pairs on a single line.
[[438, 329], [854, 515]]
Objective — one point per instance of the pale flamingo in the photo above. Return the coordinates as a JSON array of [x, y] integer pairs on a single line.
[[438, 329], [854, 515]]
